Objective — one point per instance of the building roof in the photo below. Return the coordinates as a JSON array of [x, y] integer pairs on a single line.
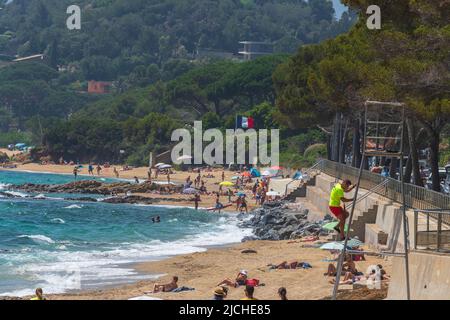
[[36, 56]]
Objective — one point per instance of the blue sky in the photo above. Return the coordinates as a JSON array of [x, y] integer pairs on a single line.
[[339, 8]]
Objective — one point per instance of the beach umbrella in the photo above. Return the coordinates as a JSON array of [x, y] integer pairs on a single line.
[[247, 174], [353, 243], [272, 194], [332, 246], [266, 173], [165, 166], [330, 226], [226, 184], [144, 298], [240, 194], [190, 191], [183, 158], [277, 168], [159, 165]]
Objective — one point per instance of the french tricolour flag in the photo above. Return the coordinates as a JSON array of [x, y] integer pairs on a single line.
[[245, 122]]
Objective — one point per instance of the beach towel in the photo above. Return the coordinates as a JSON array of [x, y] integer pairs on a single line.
[[305, 265], [181, 289]]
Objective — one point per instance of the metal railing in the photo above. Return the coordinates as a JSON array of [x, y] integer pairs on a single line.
[[433, 233], [416, 197], [306, 176]]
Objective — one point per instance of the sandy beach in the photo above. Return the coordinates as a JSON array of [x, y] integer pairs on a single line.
[[203, 271], [208, 201]]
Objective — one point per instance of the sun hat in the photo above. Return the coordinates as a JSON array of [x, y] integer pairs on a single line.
[[244, 272], [219, 291]]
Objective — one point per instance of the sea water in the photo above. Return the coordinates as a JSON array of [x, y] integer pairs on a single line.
[[63, 246]]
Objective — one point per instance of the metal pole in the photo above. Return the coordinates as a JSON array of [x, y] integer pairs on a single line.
[[416, 227], [342, 255], [405, 223], [439, 229]]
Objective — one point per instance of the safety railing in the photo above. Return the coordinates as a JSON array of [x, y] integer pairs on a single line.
[[431, 233], [306, 175], [416, 197]]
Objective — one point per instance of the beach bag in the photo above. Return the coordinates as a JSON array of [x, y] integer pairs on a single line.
[[252, 282]]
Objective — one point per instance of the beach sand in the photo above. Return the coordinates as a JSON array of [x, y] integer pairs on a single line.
[[203, 271]]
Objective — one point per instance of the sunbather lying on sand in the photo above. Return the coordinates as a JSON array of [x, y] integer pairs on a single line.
[[350, 278], [241, 279], [348, 266], [166, 287], [291, 265]]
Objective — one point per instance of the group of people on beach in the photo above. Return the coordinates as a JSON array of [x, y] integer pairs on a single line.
[[222, 289]]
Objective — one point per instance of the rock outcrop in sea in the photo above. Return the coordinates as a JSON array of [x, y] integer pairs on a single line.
[[282, 221], [93, 187]]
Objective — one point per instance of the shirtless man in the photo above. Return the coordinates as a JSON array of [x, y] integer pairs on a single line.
[[166, 287]]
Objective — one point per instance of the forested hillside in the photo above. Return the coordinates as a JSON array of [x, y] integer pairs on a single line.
[[119, 37], [149, 50]]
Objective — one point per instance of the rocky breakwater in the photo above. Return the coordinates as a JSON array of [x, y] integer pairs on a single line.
[[92, 187], [282, 221]]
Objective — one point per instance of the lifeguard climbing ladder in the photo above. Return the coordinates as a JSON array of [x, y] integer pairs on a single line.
[[381, 138]]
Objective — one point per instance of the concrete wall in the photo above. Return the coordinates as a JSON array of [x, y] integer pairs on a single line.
[[389, 214], [429, 273], [429, 277]]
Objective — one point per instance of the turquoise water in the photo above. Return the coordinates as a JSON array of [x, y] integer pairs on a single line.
[[68, 245]]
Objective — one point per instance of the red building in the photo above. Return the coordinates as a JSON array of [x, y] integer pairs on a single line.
[[99, 87]]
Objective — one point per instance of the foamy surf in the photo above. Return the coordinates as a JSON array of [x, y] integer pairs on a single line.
[[58, 220], [73, 206], [38, 238]]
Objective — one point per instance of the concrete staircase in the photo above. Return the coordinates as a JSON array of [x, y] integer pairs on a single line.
[[360, 220]]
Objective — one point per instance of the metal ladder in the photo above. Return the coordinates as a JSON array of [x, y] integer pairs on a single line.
[[369, 134]]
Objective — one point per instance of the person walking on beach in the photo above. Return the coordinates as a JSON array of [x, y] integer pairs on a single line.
[[336, 197], [197, 199], [156, 173], [219, 205], [99, 170], [223, 176], [243, 205], [136, 179], [116, 172], [168, 177], [230, 194], [91, 169], [39, 295], [75, 172]]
